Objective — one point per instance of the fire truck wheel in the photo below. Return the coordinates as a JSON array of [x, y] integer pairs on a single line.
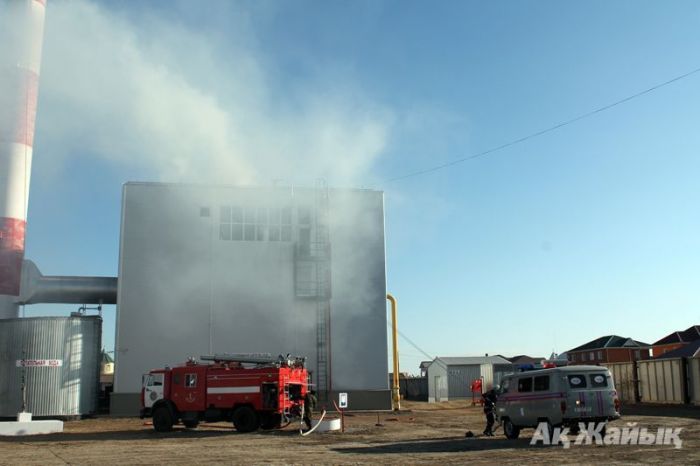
[[191, 424], [245, 419], [270, 421], [163, 419]]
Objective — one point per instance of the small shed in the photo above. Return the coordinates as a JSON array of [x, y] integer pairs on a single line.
[[450, 378]]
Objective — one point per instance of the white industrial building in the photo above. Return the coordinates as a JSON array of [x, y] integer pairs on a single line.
[[450, 378], [215, 269]]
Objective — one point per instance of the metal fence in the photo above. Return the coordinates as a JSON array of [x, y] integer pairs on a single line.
[[412, 388], [693, 371], [625, 378], [669, 381], [662, 381]]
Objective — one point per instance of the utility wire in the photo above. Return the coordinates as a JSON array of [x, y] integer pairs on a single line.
[[544, 131], [412, 343]]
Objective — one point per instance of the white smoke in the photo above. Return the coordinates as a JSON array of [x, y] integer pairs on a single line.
[[177, 104]]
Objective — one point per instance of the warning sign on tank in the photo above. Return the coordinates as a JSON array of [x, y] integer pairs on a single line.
[[39, 362]]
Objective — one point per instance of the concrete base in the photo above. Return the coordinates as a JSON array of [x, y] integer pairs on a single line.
[[24, 417], [30, 428]]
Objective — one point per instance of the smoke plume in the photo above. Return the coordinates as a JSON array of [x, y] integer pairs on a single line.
[[178, 104]]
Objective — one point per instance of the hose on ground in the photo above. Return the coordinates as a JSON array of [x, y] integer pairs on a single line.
[[304, 434]]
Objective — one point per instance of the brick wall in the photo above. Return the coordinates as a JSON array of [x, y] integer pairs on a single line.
[[602, 356], [658, 350]]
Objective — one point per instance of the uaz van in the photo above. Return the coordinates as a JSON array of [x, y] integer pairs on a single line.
[[560, 396]]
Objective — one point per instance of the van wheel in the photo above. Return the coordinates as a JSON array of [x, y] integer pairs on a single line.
[[163, 419], [245, 419], [512, 431]]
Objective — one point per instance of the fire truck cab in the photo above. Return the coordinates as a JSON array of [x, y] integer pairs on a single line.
[[251, 391]]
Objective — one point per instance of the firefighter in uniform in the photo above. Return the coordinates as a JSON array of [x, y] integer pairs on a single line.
[[309, 405], [490, 398]]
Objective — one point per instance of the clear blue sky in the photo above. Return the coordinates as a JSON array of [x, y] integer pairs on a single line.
[[586, 231]]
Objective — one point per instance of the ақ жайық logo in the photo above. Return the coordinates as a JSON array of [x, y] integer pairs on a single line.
[[597, 433]]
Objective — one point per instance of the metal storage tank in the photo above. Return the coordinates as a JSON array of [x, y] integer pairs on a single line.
[[60, 360]]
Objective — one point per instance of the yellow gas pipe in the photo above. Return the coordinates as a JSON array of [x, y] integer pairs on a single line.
[[395, 394]]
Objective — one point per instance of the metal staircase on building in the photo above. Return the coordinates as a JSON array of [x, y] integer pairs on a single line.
[[313, 281], [323, 286]]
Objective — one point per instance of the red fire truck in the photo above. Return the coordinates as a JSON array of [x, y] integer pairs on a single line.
[[251, 390]]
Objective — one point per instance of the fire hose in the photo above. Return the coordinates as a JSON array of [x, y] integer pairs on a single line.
[[304, 434]]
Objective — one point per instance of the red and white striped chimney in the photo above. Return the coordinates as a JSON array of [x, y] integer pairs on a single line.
[[21, 37]]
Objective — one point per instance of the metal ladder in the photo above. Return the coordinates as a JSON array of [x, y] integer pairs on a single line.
[[321, 251], [286, 397]]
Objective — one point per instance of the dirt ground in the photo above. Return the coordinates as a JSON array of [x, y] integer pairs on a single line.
[[423, 433]]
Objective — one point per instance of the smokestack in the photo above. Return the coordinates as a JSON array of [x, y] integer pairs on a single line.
[[21, 37]]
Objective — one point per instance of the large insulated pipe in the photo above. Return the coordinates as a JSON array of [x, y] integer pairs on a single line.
[[395, 389], [37, 288], [21, 37]]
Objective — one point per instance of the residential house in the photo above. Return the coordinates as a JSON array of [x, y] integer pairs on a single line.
[[676, 340], [610, 348], [690, 350], [524, 361]]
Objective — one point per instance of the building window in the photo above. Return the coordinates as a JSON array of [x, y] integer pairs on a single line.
[[261, 225], [600, 355], [225, 223], [274, 224], [231, 225], [236, 223], [637, 354], [255, 224], [280, 224], [249, 224], [583, 357], [286, 224], [592, 356]]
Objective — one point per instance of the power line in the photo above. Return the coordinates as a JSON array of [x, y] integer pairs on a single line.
[[544, 131], [412, 343]]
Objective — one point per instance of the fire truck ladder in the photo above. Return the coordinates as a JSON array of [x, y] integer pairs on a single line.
[[323, 290], [286, 397], [250, 358]]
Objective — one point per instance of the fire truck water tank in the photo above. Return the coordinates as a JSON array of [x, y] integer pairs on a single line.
[[59, 360]]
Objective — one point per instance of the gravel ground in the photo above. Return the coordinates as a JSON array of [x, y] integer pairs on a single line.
[[423, 433]]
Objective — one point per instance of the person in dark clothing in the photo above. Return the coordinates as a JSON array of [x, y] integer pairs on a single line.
[[490, 398], [309, 405]]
